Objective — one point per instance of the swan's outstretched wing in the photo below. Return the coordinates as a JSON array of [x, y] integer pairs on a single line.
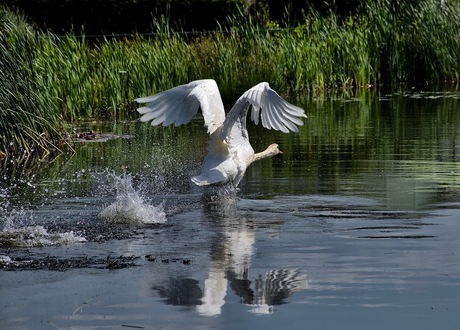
[[178, 105], [275, 112]]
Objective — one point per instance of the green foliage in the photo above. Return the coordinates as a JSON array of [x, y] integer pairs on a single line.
[[26, 122], [101, 81]]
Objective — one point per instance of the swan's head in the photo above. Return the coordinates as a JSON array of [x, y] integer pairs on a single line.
[[273, 150]]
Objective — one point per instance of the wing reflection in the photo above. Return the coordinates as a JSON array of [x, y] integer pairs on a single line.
[[230, 268], [276, 287]]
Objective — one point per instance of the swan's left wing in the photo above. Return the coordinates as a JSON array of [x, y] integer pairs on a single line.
[[274, 112]]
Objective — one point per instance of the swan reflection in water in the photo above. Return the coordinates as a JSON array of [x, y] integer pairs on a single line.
[[229, 155], [230, 269]]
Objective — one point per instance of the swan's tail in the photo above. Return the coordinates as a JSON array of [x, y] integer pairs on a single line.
[[212, 176]]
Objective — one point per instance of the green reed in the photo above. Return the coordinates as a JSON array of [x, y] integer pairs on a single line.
[[26, 122], [50, 80]]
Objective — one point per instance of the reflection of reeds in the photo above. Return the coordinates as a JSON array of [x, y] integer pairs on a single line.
[[70, 79]]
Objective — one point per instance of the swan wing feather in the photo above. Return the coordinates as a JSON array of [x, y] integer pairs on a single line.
[[180, 104], [273, 111], [278, 112]]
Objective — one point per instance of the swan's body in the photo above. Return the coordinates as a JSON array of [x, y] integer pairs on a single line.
[[229, 150]]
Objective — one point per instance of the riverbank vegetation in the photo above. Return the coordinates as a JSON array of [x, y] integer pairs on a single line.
[[48, 81], [28, 120]]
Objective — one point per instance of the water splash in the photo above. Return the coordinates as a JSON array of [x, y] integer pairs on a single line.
[[36, 236], [130, 206], [18, 229], [19, 232]]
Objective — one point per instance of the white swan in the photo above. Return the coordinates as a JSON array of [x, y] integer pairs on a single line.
[[229, 150]]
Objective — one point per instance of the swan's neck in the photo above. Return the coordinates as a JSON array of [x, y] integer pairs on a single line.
[[262, 155]]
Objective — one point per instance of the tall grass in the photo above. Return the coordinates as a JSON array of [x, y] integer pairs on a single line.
[[100, 81], [69, 78], [26, 122], [419, 43]]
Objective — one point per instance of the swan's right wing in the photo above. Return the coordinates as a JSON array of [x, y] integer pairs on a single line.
[[178, 105]]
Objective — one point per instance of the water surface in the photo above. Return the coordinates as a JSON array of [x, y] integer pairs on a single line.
[[354, 226]]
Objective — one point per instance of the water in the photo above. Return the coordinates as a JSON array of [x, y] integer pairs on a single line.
[[354, 226]]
